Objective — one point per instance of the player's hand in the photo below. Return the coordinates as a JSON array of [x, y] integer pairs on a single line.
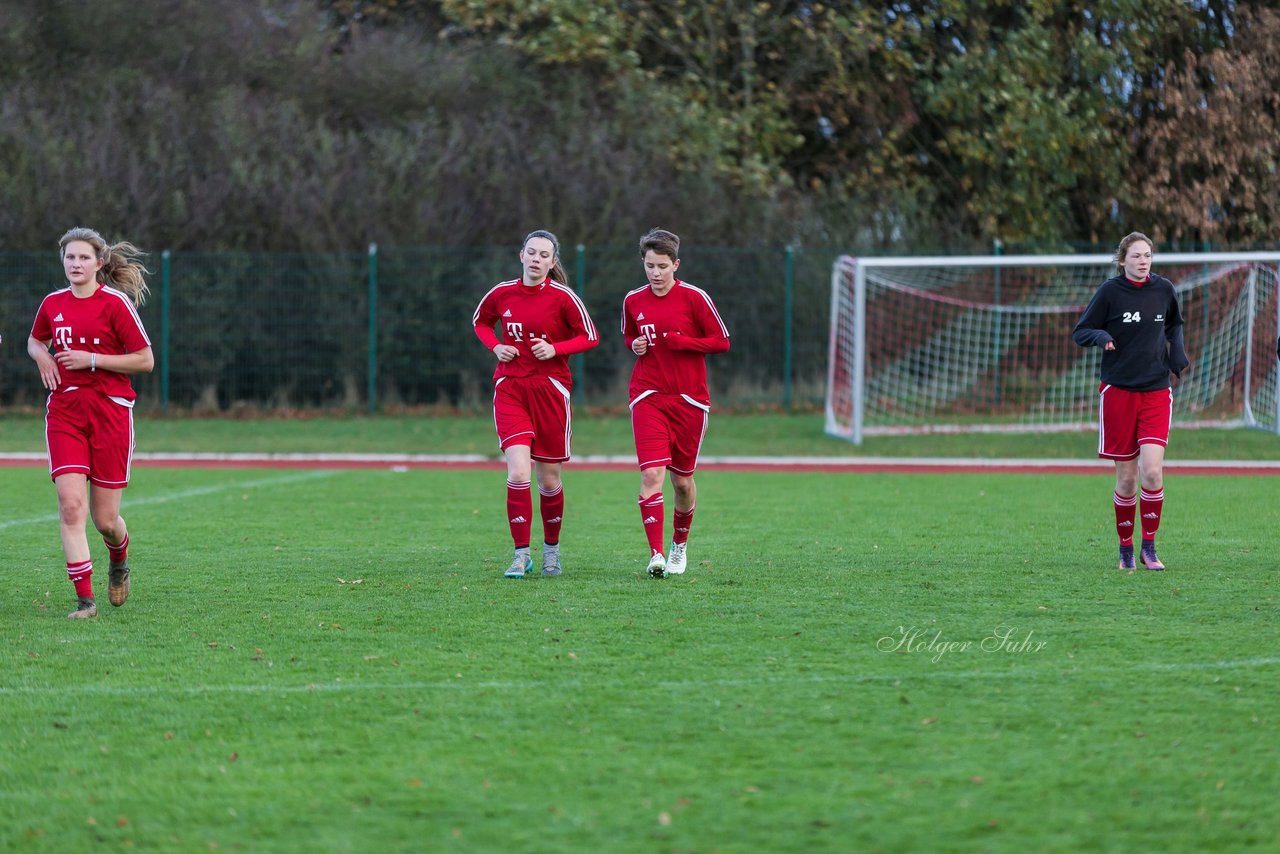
[[640, 346], [542, 348], [72, 360], [1110, 345], [505, 352], [49, 376]]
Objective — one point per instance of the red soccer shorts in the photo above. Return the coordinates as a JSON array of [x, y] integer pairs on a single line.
[[1130, 419], [668, 430], [92, 434], [533, 411]]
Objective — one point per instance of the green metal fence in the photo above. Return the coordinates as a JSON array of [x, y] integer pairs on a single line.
[[391, 327]]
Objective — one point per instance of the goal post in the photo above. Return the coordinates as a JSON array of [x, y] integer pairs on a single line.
[[983, 343]]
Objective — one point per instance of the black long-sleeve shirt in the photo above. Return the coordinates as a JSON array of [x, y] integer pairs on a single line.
[[1144, 322]]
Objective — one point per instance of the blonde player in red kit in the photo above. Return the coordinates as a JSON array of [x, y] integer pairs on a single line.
[[542, 322], [97, 340], [671, 326]]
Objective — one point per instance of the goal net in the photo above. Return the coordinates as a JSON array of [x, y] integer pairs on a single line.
[[984, 343]]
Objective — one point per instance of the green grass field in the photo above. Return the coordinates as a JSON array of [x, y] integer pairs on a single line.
[[729, 435], [331, 661]]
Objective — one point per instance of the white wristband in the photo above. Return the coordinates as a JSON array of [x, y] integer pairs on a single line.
[[93, 361]]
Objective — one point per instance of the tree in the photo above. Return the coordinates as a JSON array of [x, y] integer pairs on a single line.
[[1009, 118], [1207, 161]]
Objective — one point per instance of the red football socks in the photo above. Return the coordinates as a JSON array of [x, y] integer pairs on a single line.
[[1152, 507], [551, 507], [119, 551], [1126, 509], [519, 512], [81, 575], [681, 521], [651, 516]]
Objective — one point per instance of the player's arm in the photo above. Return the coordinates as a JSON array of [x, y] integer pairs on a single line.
[[139, 362], [712, 335], [504, 352], [483, 322], [39, 351], [585, 337], [1089, 332], [1178, 361], [1173, 333], [487, 336], [712, 344], [577, 344], [637, 343]]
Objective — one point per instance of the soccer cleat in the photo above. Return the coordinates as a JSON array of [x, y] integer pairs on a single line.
[[1148, 556], [658, 565], [551, 563], [521, 565], [1126, 558], [118, 582], [85, 608], [677, 559]]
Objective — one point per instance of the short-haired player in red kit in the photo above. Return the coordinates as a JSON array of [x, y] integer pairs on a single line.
[[98, 341], [542, 322], [1134, 318], [671, 326]]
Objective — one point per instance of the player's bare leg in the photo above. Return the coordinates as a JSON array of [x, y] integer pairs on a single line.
[[73, 512], [104, 507]]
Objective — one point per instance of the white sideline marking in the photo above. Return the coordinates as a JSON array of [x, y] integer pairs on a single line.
[[1084, 465], [340, 686], [186, 493]]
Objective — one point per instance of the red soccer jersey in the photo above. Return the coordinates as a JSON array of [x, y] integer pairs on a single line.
[[106, 322], [549, 311], [682, 326]]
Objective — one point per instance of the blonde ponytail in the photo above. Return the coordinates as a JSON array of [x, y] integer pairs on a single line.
[[124, 271]]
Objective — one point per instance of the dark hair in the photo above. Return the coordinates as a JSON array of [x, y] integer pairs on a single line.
[[557, 269], [121, 268], [661, 241], [1130, 239]]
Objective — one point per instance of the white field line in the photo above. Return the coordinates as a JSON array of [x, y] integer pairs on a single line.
[[184, 494], [782, 463], [245, 457], [340, 686]]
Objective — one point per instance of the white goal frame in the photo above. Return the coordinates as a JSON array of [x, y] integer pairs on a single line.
[[847, 415]]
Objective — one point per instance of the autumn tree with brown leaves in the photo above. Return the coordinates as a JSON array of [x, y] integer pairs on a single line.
[[1206, 166]]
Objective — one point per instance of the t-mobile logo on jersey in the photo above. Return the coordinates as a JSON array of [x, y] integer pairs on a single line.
[[515, 331], [649, 330], [62, 336]]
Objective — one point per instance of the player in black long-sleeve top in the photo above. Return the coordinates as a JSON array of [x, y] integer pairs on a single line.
[[1134, 318]]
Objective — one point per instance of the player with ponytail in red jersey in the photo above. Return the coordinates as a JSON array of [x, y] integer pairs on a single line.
[[542, 322], [97, 341]]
